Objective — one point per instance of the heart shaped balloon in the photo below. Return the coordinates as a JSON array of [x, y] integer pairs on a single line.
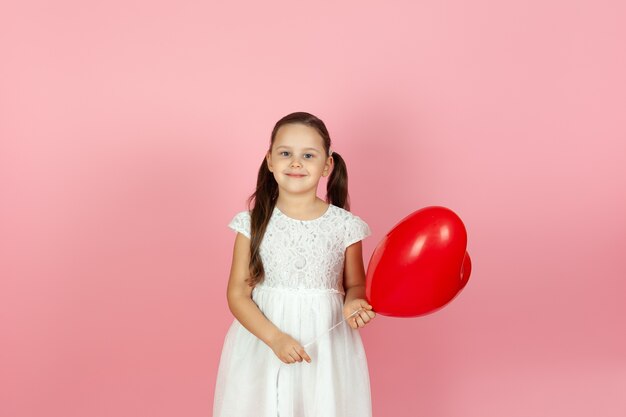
[[420, 265]]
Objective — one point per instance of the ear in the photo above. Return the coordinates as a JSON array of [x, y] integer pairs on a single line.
[[328, 167], [268, 160]]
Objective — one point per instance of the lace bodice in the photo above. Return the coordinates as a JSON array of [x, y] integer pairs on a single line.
[[305, 254]]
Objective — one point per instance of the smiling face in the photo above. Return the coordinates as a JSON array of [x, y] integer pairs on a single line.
[[298, 159]]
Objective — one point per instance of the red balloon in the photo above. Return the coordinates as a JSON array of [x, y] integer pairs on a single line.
[[420, 265]]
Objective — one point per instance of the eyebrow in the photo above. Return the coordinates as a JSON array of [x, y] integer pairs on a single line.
[[305, 149]]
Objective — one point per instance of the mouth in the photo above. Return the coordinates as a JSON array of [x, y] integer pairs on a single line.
[[296, 175]]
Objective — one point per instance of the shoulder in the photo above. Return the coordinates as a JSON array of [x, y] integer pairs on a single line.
[[242, 215], [354, 227], [241, 223], [346, 215]]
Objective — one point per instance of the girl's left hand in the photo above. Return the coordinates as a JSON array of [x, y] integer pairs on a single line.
[[362, 317]]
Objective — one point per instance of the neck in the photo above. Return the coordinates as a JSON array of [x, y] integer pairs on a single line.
[[299, 204]]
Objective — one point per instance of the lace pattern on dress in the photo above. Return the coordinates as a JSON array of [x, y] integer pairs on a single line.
[[305, 254]]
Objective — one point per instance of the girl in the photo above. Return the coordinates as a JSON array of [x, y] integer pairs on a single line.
[[297, 276]]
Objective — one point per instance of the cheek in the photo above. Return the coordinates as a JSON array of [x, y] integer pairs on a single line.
[[317, 167]]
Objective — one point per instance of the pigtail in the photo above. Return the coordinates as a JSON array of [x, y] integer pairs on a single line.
[[264, 199], [337, 185]]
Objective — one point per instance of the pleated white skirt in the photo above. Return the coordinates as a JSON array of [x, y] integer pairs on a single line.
[[253, 382]]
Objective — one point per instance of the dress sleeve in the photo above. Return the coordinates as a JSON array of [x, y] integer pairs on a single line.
[[356, 230], [241, 223]]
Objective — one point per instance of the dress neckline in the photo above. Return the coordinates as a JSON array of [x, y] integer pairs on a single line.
[[277, 210]]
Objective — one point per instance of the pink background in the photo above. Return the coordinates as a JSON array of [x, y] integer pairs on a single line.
[[131, 133]]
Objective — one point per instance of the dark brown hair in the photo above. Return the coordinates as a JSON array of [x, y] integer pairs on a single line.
[[261, 203]]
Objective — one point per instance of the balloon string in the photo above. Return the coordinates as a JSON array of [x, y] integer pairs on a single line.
[[307, 345], [329, 330]]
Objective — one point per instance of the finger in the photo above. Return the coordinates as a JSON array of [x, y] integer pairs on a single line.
[[364, 305], [296, 355], [371, 314], [300, 352], [360, 322], [364, 316], [292, 354], [303, 354]]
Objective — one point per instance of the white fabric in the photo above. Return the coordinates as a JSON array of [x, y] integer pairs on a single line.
[[302, 294]]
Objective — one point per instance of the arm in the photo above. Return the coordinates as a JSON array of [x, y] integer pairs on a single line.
[[239, 295], [354, 273], [245, 310], [354, 284]]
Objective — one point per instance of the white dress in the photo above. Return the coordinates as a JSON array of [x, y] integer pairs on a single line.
[[302, 294]]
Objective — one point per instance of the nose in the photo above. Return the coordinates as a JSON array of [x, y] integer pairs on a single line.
[[295, 162]]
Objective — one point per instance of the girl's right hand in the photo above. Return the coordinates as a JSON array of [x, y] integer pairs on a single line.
[[288, 349]]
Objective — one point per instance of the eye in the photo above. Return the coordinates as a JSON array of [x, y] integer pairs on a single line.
[[310, 155], [283, 152]]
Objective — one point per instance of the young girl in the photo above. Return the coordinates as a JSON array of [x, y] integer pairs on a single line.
[[296, 288]]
